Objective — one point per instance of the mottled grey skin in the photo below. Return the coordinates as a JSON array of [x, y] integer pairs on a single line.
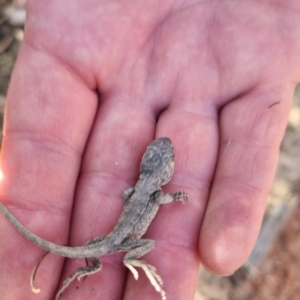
[[141, 205]]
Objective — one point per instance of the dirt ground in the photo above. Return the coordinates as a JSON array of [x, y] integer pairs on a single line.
[[273, 270]]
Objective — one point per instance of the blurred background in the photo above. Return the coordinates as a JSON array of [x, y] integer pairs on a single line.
[[272, 272]]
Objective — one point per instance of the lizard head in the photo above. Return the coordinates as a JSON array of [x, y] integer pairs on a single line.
[[158, 160]]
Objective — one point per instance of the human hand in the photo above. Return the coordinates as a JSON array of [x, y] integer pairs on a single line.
[[94, 83]]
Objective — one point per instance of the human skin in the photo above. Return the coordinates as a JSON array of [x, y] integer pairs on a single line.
[[94, 83]]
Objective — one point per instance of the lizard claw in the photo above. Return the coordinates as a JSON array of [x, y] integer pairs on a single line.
[[182, 196]]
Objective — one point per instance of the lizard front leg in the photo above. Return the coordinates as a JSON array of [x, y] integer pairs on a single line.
[[162, 198], [138, 248], [128, 193]]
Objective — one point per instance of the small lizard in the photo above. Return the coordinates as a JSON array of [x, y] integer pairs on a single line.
[[141, 205]]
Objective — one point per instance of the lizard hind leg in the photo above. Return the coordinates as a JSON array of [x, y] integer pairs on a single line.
[[150, 272], [139, 248], [81, 272], [32, 278]]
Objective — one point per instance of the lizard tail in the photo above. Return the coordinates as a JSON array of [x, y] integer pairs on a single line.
[[66, 251]]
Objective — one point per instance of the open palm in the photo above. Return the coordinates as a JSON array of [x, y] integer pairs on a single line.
[[94, 83]]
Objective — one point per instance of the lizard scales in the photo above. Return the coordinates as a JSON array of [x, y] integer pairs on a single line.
[[141, 205]]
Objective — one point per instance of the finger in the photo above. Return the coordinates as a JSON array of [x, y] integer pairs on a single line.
[[44, 137], [175, 229], [251, 129], [111, 161]]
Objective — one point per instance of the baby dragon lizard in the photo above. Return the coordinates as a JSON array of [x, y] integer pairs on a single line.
[[141, 205]]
